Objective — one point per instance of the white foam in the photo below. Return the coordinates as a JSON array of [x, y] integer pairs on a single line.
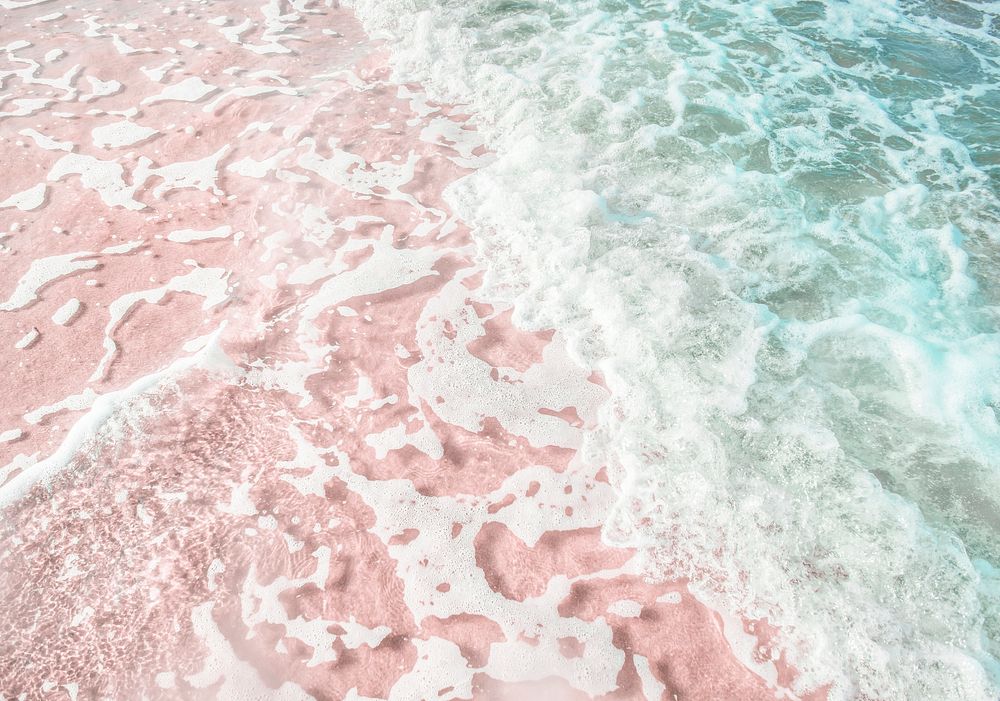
[[625, 608], [74, 402], [210, 283], [46, 142], [192, 235], [121, 248], [104, 177], [43, 271], [26, 200], [190, 89], [102, 409], [27, 106], [449, 370], [160, 72], [18, 4], [200, 174], [123, 133], [251, 168], [101, 88], [27, 340], [436, 554], [125, 49], [64, 314]]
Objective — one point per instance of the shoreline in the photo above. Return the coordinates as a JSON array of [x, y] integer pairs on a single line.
[[365, 482]]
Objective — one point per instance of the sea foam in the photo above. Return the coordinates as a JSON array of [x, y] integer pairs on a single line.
[[772, 227]]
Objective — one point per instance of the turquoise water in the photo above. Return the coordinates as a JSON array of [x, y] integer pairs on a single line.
[[775, 228]]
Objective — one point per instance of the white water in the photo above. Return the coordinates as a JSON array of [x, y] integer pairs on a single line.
[[773, 226]]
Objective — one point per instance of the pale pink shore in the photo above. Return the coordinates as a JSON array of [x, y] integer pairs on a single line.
[[326, 466]]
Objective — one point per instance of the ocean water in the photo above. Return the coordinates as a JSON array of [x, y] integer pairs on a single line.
[[774, 228]]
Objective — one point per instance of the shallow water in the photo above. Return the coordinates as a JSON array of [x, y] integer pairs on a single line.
[[264, 434], [773, 227], [311, 394]]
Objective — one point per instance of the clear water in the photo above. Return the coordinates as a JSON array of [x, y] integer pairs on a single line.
[[775, 228]]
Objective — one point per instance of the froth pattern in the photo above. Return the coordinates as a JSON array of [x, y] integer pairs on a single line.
[[267, 436], [772, 226]]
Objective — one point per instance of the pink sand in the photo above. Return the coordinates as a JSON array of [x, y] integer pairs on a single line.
[[286, 447]]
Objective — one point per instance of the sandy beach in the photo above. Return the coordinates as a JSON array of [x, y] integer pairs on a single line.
[[265, 435]]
